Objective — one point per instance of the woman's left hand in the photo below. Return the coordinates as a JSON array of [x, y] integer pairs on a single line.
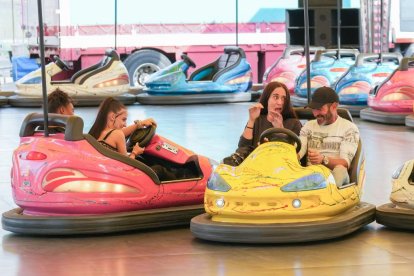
[[137, 150]]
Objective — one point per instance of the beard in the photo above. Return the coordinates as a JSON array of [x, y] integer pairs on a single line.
[[326, 119]]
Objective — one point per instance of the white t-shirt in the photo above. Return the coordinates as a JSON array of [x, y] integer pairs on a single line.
[[338, 140]]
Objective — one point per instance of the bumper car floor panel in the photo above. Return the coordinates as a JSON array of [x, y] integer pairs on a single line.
[[146, 98], [204, 228], [20, 101], [15, 221], [3, 100], [391, 216], [409, 120], [392, 118]]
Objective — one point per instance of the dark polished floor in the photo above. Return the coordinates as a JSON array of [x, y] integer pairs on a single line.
[[212, 130]]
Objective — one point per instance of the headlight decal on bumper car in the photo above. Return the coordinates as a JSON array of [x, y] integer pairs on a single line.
[[314, 181], [397, 172], [120, 80], [36, 80], [165, 82], [397, 96], [356, 88], [316, 82], [72, 181], [402, 193], [238, 80], [217, 183]]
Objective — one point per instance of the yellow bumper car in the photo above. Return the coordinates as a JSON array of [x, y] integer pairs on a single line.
[[272, 198]]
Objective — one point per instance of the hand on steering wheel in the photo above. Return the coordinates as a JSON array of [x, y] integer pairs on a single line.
[[142, 136], [137, 150], [145, 123]]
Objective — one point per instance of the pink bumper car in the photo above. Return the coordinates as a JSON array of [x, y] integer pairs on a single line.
[[289, 66], [67, 183], [393, 100]]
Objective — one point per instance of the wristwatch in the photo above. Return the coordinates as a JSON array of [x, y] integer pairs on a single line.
[[325, 160]]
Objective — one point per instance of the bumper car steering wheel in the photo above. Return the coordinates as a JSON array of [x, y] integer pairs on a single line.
[[281, 135], [188, 60], [62, 65], [142, 136]]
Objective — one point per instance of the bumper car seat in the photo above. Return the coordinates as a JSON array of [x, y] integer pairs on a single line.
[[212, 71], [82, 75]]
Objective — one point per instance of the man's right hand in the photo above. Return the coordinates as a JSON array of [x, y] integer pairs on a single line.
[[315, 157]]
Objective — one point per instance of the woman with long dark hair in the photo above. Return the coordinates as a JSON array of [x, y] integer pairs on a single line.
[[274, 109], [110, 127]]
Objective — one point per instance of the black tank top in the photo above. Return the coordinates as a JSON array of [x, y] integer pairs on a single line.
[[105, 144]]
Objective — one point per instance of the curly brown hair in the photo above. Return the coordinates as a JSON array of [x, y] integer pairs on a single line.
[[56, 100]]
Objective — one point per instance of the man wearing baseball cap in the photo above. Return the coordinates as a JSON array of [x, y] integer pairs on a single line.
[[329, 139]]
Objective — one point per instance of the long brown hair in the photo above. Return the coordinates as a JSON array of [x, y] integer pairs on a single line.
[[110, 104], [287, 110]]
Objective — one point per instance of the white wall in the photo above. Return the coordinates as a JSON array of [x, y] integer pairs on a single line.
[[92, 12]]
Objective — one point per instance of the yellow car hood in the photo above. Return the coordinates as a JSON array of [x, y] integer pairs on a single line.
[[271, 186], [273, 163]]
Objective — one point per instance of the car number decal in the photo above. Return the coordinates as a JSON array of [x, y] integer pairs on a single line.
[[170, 148]]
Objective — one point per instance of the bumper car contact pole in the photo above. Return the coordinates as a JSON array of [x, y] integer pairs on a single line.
[[338, 20], [42, 62], [308, 80], [237, 22], [116, 23]]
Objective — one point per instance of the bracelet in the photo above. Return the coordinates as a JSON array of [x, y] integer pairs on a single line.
[[248, 127]]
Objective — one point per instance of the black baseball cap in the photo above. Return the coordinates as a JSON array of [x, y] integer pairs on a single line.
[[321, 96]]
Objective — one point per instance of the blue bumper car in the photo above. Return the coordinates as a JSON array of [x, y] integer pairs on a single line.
[[369, 70], [325, 70], [227, 79]]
